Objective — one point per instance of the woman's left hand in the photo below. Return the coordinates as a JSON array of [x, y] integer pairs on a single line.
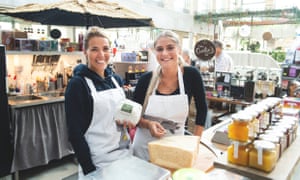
[[125, 124]]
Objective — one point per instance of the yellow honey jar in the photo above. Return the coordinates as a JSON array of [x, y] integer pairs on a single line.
[[238, 129], [262, 156], [274, 139], [237, 153]]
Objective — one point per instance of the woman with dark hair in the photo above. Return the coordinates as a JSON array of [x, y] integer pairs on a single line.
[[91, 98]]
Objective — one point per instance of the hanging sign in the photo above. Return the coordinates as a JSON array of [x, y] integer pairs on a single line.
[[204, 50]]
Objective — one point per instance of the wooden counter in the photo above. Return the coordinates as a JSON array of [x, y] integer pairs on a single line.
[[228, 100]]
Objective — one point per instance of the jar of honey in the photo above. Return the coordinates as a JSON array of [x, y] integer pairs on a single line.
[[238, 129], [237, 153], [275, 140], [259, 117], [254, 121], [263, 155]]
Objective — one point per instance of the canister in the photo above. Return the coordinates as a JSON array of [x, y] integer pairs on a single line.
[[237, 153], [263, 155]]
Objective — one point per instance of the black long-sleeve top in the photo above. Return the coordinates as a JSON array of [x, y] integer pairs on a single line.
[[193, 86], [79, 110]]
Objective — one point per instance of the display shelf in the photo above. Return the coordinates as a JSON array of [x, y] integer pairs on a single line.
[[135, 62], [284, 168]]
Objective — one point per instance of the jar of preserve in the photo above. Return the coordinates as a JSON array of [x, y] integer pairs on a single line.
[[288, 130], [275, 140], [281, 137], [262, 156], [237, 153], [294, 123], [260, 116], [238, 129], [265, 113], [254, 121]]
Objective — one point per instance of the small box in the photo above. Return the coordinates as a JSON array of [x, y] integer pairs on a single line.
[[128, 57], [54, 45], [20, 34], [290, 112], [26, 44], [44, 45], [8, 39], [291, 102]]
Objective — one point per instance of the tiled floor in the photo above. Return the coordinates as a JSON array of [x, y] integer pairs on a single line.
[[55, 170]]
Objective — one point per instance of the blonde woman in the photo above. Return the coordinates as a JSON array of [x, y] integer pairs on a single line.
[[166, 94]]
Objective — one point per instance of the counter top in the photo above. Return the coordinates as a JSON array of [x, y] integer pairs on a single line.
[[33, 102]]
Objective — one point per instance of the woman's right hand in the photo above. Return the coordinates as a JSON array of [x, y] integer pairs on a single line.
[[156, 129]]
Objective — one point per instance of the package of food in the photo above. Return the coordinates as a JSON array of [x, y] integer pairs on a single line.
[[128, 110], [174, 152]]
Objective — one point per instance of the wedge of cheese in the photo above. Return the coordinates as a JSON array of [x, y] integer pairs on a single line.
[[174, 152]]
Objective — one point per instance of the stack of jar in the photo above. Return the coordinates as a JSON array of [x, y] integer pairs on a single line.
[[260, 134]]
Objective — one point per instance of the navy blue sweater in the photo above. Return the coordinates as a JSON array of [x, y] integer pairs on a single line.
[[193, 86], [79, 109]]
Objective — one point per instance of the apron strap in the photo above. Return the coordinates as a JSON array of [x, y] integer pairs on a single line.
[[180, 82], [115, 82], [90, 84], [180, 79]]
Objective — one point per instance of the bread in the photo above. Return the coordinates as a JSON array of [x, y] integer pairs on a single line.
[[174, 152]]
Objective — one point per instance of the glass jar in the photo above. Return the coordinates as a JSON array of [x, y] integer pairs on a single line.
[[294, 123], [288, 130], [275, 140], [282, 138], [254, 121], [265, 119], [238, 129], [263, 156], [237, 153], [260, 116]]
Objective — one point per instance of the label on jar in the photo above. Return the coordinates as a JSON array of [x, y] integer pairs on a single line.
[[259, 156], [235, 149]]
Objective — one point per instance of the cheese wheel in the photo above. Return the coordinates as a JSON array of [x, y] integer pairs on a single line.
[[174, 152]]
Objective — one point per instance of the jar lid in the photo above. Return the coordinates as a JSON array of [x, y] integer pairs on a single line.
[[278, 134], [256, 108], [251, 111], [265, 145], [240, 117], [269, 137]]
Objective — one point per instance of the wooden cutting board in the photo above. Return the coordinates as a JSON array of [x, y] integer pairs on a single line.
[[205, 160]]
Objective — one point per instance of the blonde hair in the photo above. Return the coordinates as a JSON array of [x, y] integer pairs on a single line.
[[156, 73]]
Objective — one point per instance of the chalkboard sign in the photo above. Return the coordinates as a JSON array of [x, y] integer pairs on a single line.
[[204, 50]]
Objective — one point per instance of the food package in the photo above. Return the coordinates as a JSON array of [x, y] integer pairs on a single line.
[[128, 110], [174, 152]]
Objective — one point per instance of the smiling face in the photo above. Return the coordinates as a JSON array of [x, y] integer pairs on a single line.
[[97, 53], [167, 52]]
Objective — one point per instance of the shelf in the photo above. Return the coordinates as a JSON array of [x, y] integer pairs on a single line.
[[135, 62], [288, 78], [44, 53]]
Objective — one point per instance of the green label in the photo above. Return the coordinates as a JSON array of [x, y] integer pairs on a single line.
[[127, 108]]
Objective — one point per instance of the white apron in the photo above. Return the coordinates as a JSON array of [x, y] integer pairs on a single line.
[[172, 107], [106, 141]]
